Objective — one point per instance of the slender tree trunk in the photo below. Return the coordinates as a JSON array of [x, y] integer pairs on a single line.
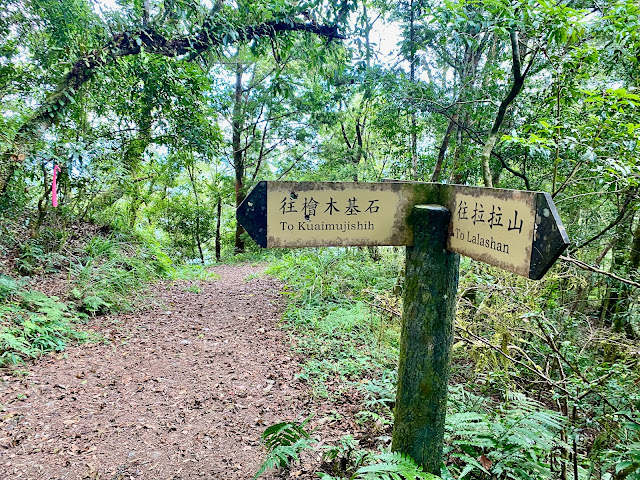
[[191, 169], [43, 206], [617, 299], [218, 223], [456, 176], [412, 79], [467, 74], [443, 148], [238, 154], [518, 82], [134, 157]]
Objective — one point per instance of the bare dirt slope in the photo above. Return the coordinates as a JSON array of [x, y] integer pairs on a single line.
[[181, 391]]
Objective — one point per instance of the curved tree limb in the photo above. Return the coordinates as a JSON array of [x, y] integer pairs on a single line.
[[133, 43], [591, 268], [516, 87], [631, 195]]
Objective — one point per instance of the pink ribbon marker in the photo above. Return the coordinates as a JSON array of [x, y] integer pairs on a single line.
[[54, 187]]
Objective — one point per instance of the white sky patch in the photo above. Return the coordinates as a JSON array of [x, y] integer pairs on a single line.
[[387, 35]]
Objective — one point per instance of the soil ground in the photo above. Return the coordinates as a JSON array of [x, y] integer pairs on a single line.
[[179, 391]]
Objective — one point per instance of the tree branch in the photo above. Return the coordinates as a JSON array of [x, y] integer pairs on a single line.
[[592, 268], [623, 211], [133, 43]]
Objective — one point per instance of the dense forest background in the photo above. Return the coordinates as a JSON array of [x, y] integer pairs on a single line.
[[162, 114]]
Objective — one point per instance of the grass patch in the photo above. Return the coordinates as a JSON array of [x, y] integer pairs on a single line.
[[112, 272], [332, 313]]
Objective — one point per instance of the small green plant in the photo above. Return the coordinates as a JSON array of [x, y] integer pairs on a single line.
[[628, 467], [513, 441], [33, 324], [624, 460], [346, 457], [284, 443], [37, 258], [8, 288], [379, 400], [386, 466], [192, 273], [112, 271], [193, 289]]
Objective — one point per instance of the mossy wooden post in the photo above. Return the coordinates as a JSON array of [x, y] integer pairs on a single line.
[[431, 282]]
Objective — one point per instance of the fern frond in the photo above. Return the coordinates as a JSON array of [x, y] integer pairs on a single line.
[[281, 456], [284, 433], [284, 442], [393, 466]]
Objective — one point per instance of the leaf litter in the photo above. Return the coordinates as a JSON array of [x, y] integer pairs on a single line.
[[178, 391]]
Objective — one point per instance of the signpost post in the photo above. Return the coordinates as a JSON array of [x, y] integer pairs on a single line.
[[517, 231]]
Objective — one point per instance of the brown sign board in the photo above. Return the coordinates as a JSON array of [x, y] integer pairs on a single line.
[[515, 230]]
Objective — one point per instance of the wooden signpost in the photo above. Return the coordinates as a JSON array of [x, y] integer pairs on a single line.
[[517, 231]]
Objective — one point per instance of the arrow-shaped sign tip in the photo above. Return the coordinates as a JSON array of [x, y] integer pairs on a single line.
[[550, 238], [252, 214]]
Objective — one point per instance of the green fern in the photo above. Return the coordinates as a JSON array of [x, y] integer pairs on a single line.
[[516, 440], [388, 466], [393, 466], [284, 442]]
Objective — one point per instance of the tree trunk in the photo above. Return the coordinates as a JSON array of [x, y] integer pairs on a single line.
[[617, 300], [238, 154], [218, 223], [457, 177], [191, 170], [134, 157], [518, 82], [43, 206], [443, 148], [412, 79]]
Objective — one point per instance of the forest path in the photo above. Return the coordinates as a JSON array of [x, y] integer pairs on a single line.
[[180, 391]]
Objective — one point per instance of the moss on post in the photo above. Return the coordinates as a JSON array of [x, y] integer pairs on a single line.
[[431, 282]]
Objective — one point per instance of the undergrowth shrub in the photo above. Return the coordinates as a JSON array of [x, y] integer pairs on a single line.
[[112, 271], [284, 443], [334, 310], [32, 323], [287, 440], [512, 440]]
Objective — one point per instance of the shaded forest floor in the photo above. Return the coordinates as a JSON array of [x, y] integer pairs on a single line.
[[180, 390]]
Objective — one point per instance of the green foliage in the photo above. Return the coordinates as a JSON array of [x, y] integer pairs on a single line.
[[515, 440], [112, 271], [348, 461], [284, 442], [35, 259], [345, 457], [386, 466], [379, 400], [392, 466], [629, 468], [342, 338], [192, 272], [8, 288], [32, 324]]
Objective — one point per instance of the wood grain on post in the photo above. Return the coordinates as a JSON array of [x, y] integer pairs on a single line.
[[431, 282]]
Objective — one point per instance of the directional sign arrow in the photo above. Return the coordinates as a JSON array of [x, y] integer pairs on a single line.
[[252, 214], [517, 231]]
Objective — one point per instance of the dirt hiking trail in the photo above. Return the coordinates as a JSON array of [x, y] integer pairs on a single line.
[[180, 391]]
